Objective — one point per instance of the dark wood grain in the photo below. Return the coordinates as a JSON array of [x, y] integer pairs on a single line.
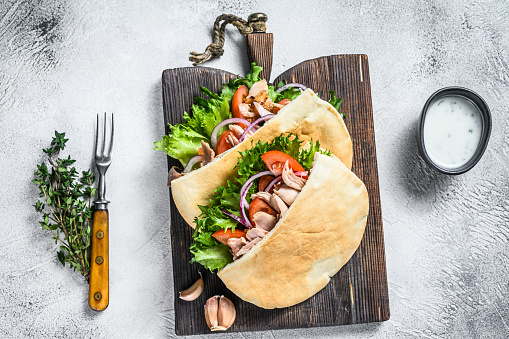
[[358, 293], [366, 273], [259, 50], [180, 87]]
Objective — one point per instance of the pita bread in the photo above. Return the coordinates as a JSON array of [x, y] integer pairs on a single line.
[[305, 249], [308, 116]]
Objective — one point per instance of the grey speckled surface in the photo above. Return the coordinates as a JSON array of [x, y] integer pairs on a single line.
[[63, 62]]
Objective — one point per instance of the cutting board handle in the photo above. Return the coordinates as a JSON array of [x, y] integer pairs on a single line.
[[259, 50]]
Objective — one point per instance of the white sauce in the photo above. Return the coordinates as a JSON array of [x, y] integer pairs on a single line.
[[452, 130]]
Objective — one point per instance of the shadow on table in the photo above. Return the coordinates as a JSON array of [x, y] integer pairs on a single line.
[[365, 330], [418, 178]]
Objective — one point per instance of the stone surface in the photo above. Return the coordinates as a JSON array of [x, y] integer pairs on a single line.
[[63, 62]]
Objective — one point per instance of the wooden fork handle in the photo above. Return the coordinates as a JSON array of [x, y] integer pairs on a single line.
[[98, 297]]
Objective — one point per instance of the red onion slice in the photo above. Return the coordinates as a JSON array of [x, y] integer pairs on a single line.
[[273, 182], [264, 118], [293, 85], [242, 209], [256, 176], [233, 216], [191, 163], [243, 193], [213, 136]]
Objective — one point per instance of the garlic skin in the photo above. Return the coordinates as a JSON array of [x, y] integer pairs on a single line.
[[219, 313], [194, 291], [211, 310], [227, 313]]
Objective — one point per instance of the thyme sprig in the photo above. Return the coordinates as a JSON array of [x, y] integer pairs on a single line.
[[65, 205]]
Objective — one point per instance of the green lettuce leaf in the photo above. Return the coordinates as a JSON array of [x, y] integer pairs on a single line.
[[208, 113], [336, 102], [181, 143], [227, 197], [213, 220], [272, 94], [307, 156], [253, 76], [212, 258]]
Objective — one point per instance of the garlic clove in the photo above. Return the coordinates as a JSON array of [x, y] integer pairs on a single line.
[[194, 291], [219, 313], [211, 310], [227, 313]]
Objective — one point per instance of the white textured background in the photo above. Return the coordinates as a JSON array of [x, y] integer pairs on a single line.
[[62, 62]]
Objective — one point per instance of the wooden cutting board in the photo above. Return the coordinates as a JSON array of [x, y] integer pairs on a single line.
[[358, 292]]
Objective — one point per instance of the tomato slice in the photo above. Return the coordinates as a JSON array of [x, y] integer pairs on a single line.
[[258, 205], [223, 236], [275, 161], [222, 144], [238, 98], [283, 102], [264, 181]]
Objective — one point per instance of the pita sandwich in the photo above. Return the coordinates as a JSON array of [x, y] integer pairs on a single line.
[[308, 116], [297, 258]]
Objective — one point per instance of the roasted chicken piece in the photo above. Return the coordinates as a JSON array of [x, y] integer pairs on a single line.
[[254, 233], [208, 153], [264, 221], [291, 179], [286, 193]]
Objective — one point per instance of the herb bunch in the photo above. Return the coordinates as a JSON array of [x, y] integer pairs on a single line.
[[65, 205]]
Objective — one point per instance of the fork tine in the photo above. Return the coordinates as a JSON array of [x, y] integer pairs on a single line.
[[104, 135], [111, 137], [97, 138]]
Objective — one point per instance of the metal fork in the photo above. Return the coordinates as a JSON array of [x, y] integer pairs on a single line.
[[103, 161], [98, 298]]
